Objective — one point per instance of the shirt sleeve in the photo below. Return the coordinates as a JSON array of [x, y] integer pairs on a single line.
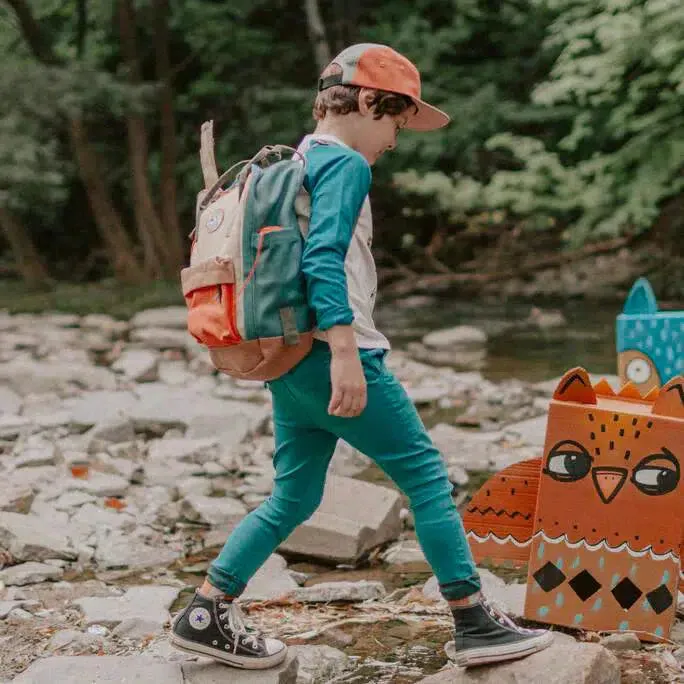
[[338, 182]]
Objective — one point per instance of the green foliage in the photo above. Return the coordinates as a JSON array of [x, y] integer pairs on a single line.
[[619, 75]]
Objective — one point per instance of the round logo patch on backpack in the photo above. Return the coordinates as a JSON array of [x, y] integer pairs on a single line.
[[214, 220], [199, 618]]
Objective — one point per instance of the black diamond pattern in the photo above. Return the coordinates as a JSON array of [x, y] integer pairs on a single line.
[[626, 593], [549, 577], [660, 599], [584, 584]]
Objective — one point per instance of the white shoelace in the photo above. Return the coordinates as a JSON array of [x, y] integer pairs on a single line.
[[503, 619], [236, 623]]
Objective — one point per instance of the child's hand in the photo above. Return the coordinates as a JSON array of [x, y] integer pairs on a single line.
[[346, 374], [348, 385]]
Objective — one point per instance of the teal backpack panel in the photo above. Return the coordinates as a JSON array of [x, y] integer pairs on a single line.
[[275, 301]]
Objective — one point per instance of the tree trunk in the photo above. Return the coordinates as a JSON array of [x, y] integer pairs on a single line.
[[114, 236], [30, 265], [169, 205], [109, 224], [317, 35], [150, 232]]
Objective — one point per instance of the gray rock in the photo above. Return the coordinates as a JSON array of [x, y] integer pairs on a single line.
[[341, 530], [326, 592], [29, 537], [319, 663], [10, 402], [115, 431], [100, 670], [164, 317], [195, 485], [30, 573], [136, 628], [140, 365], [149, 604], [100, 484], [347, 461], [403, 553], [73, 639], [120, 550], [459, 336], [564, 662], [12, 426], [271, 581], [460, 358], [625, 641], [530, 432], [6, 607], [206, 671], [15, 497], [212, 510], [32, 456], [187, 450], [162, 338], [73, 499], [25, 376], [105, 324]]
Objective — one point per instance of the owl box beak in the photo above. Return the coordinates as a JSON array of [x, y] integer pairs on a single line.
[[608, 482]]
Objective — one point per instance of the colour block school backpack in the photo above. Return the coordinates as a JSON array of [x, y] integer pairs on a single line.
[[244, 290]]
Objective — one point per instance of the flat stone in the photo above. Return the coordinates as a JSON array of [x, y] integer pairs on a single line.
[[115, 431], [213, 510], [163, 317], [319, 663], [326, 592], [72, 639], [31, 538], [6, 607], [206, 671], [530, 432], [347, 461], [625, 641], [341, 530], [26, 376], [564, 662], [459, 336], [30, 573], [44, 455], [119, 550], [140, 365], [15, 497], [100, 670], [100, 484], [403, 553], [187, 450], [271, 581], [148, 603], [162, 338], [137, 628], [10, 402]]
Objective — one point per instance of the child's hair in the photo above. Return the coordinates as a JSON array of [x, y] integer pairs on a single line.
[[344, 99]]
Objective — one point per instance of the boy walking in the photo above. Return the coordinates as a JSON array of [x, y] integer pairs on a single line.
[[343, 390]]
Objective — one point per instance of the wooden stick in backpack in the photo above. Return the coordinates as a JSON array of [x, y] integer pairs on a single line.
[[207, 159]]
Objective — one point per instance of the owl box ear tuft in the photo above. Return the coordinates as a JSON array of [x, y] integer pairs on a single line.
[[575, 386], [670, 401]]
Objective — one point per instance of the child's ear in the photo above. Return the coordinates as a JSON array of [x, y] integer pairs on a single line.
[[366, 96]]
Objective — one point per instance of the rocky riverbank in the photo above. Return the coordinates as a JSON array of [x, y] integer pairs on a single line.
[[126, 461]]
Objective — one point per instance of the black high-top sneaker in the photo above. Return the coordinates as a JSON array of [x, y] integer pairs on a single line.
[[216, 628], [484, 634]]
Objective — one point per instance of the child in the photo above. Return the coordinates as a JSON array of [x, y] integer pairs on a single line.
[[343, 389]]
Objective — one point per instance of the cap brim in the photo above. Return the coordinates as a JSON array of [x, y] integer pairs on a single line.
[[427, 118]]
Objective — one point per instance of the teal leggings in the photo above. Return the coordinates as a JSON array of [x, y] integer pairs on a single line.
[[389, 431]]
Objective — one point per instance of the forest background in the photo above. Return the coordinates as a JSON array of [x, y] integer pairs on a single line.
[[566, 144]]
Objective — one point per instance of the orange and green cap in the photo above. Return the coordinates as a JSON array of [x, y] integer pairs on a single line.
[[371, 65]]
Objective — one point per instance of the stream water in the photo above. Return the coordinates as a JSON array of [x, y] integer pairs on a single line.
[[527, 353]]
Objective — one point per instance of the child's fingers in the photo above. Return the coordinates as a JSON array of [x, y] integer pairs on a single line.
[[335, 400]]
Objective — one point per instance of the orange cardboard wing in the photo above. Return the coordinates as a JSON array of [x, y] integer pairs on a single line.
[[499, 519]]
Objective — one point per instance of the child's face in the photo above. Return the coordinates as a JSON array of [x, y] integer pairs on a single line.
[[374, 137]]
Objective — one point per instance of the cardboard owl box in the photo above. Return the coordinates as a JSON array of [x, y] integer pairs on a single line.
[[650, 343], [599, 518]]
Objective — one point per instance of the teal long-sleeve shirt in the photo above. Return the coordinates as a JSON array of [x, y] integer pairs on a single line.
[[337, 179]]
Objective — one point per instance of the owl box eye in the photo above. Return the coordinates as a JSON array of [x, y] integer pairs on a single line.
[[657, 474], [638, 371], [568, 461]]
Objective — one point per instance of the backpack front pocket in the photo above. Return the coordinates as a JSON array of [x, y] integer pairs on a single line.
[[209, 291]]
